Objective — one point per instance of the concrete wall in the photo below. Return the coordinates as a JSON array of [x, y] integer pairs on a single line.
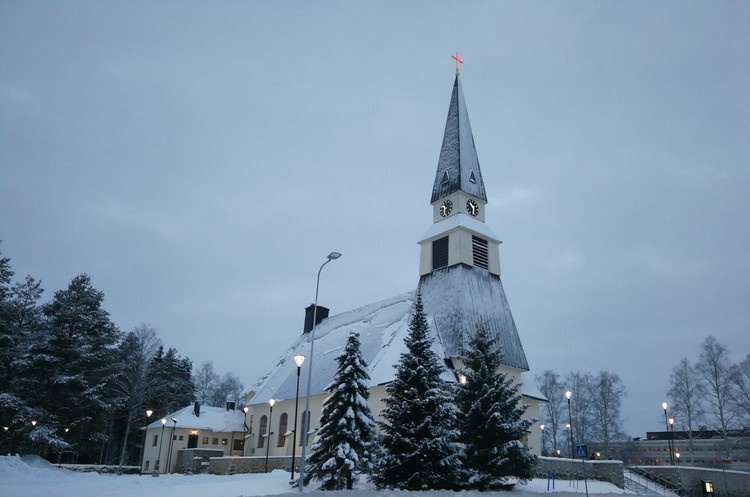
[[195, 460], [255, 464], [726, 483], [611, 471]]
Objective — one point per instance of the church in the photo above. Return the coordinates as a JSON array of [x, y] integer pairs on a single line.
[[461, 287]]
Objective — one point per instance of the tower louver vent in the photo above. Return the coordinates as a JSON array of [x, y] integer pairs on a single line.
[[479, 247]]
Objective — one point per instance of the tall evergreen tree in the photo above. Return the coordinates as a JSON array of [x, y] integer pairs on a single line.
[[420, 442], [346, 440], [79, 355], [490, 417]]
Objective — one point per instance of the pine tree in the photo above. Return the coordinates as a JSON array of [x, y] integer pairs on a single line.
[[420, 442], [346, 439], [490, 418]]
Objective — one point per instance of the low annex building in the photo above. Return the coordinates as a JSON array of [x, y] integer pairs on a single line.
[[192, 427]]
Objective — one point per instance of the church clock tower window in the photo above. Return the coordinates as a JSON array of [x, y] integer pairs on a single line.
[[440, 253]]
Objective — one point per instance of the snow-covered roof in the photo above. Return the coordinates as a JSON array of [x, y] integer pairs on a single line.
[[382, 327], [216, 419], [458, 165], [459, 298]]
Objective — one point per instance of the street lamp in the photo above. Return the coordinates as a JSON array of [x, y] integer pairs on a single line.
[[541, 427], [306, 414], [298, 360], [171, 443], [149, 412], [268, 431], [161, 443], [568, 395], [664, 406], [244, 439]]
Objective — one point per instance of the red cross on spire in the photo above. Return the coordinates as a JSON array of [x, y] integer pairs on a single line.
[[458, 60]]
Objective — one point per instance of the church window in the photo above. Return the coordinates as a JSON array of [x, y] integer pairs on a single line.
[[440, 253], [472, 178], [283, 420], [481, 258], [262, 431], [446, 179]]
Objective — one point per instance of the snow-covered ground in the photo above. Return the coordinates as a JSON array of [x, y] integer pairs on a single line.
[[33, 477]]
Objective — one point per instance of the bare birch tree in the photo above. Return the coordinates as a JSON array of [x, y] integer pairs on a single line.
[[554, 410], [606, 392], [715, 369], [686, 393]]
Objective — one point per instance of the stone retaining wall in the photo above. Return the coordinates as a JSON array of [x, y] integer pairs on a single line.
[[248, 464], [566, 469]]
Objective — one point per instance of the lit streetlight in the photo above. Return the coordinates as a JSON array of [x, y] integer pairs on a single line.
[[171, 443], [664, 406], [298, 360], [161, 443], [149, 412], [306, 414], [541, 427], [268, 431], [244, 440]]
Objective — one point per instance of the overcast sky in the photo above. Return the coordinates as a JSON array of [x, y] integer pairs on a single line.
[[199, 160]]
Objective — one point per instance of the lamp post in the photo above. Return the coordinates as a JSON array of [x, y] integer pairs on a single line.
[[306, 414], [244, 438], [149, 412], [568, 395], [664, 406], [268, 431], [161, 443], [298, 360], [541, 427], [171, 444]]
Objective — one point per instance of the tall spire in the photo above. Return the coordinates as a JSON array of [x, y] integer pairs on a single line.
[[458, 166]]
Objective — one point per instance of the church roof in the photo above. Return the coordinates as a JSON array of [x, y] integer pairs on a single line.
[[458, 165], [382, 327], [459, 298]]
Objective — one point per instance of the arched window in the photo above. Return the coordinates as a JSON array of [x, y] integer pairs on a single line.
[[262, 431], [304, 427], [283, 419]]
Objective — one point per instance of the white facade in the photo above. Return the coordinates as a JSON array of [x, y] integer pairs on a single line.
[[214, 428]]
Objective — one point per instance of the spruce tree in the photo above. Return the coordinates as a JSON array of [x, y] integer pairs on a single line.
[[346, 439], [420, 441], [490, 417]]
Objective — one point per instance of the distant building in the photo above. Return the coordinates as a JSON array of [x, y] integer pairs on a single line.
[[461, 288], [707, 450], [192, 427]]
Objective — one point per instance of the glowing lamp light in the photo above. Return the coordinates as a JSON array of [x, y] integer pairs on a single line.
[[298, 360], [568, 394], [664, 405]]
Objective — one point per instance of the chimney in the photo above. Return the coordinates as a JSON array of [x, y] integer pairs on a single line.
[[320, 316], [197, 409], [230, 406]]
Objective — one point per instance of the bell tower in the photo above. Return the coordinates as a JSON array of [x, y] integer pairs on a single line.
[[459, 234], [459, 264]]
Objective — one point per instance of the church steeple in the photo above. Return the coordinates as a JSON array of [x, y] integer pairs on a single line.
[[458, 166], [459, 235]]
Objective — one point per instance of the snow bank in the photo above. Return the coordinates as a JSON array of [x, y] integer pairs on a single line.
[[31, 476]]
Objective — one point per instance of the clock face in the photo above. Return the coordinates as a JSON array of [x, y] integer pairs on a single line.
[[446, 208], [472, 207]]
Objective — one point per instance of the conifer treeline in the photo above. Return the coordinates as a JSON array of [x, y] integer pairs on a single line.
[[73, 387]]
